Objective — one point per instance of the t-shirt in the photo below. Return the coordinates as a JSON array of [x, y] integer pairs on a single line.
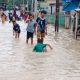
[[39, 47], [41, 24], [10, 16], [16, 27], [30, 27]]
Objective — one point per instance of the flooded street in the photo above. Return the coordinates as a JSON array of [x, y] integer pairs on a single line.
[[18, 62]]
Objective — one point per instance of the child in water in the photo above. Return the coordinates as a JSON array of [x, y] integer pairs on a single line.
[[16, 29], [41, 26], [40, 47], [31, 29]]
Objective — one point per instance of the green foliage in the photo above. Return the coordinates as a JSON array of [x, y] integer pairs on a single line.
[[15, 2], [9, 4]]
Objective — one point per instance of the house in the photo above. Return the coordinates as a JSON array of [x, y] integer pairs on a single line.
[[49, 5]]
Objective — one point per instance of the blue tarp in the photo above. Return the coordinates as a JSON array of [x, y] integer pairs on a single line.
[[69, 5]]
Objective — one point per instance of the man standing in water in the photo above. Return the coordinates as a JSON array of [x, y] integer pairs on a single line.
[[41, 26]]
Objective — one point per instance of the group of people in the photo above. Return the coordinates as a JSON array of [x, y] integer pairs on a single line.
[[41, 25], [37, 27]]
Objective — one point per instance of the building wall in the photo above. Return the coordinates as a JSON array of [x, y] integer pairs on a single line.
[[47, 3]]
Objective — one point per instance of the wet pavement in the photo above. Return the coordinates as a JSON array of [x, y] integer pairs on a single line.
[[18, 62]]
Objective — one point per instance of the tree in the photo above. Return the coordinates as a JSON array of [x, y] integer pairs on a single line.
[[10, 3]]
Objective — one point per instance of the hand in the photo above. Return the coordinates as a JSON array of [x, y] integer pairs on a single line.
[[45, 33], [35, 32]]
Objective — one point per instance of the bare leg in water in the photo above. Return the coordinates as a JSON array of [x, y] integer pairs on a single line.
[[18, 34], [15, 35], [31, 41]]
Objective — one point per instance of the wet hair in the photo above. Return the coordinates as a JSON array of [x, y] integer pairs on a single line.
[[40, 41], [14, 21], [3, 14], [43, 11], [30, 14]]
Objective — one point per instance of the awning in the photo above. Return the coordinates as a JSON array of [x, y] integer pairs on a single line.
[[69, 5]]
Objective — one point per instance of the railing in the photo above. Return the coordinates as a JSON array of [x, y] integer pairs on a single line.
[[51, 19]]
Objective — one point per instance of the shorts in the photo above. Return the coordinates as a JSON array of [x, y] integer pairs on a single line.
[[40, 34], [29, 35]]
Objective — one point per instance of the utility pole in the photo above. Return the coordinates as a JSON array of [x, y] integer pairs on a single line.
[[57, 17], [23, 6], [13, 3], [30, 5], [36, 5], [23, 2]]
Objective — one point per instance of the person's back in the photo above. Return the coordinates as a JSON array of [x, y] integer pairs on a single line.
[[39, 47]]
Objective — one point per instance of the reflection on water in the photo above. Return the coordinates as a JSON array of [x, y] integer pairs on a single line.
[[18, 62]]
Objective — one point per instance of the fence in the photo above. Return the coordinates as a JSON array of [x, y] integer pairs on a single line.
[[51, 19]]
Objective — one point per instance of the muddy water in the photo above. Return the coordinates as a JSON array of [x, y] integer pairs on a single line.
[[18, 62]]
